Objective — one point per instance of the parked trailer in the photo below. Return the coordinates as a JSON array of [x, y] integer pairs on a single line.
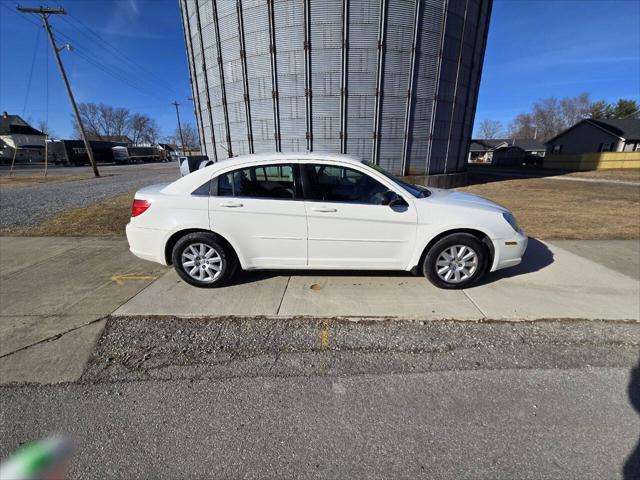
[[77, 153], [147, 154], [120, 155]]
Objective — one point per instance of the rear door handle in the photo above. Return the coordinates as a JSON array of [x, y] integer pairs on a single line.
[[231, 204], [324, 209]]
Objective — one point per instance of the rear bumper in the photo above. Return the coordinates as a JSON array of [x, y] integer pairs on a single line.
[[146, 243], [508, 252]]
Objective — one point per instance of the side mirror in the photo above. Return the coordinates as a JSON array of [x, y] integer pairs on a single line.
[[392, 199]]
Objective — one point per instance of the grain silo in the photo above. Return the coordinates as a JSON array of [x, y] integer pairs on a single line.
[[390, 81]]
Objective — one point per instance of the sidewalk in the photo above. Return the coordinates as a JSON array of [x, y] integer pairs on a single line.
[[54, 294]]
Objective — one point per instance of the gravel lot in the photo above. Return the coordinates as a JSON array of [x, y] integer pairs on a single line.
[[28, 206], [166, 348]]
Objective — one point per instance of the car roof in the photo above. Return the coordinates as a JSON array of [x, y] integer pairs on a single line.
[[266, 157]]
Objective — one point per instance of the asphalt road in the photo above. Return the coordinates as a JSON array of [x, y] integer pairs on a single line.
[[26, 206], [230, 398]]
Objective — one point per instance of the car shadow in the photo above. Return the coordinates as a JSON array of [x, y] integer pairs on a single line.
[[243, 277], [631, 468], [536, 257]]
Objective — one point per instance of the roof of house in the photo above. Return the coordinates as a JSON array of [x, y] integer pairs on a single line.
[[13, 124], [488, 145], [627, 128], [116, 138]]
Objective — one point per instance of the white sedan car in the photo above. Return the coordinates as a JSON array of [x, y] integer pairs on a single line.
[[315, 211]]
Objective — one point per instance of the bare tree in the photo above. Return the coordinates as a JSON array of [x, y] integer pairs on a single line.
[[190, 135], [490, 128], [523, 126], [43, 126], [102, 120], [143, 129], [550, 116]]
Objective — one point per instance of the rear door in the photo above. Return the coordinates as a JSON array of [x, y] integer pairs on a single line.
[[349, 226], [259, 210]]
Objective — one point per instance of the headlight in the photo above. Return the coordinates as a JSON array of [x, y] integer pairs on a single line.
[[511, 220]]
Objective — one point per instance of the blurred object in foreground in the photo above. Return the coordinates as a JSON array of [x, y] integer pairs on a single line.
[[46, 459]]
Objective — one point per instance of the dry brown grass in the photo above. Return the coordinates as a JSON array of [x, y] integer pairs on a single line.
[[569, 210], [14, 181], [105, 218]]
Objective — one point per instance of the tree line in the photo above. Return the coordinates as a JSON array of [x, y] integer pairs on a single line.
[[552, 115], [101, 122]]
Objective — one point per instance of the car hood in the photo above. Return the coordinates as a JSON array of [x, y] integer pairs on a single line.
[[452, 197]]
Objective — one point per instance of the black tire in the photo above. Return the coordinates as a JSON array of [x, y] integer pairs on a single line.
[[191, 243], [444, 246]]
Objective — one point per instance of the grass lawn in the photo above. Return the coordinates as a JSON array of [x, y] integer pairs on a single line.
[[568, 210]]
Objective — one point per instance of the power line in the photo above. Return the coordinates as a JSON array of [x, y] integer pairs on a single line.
[[33, 64], [119, 52], [115, 72], [120, 75]]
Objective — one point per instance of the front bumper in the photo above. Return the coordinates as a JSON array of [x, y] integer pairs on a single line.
[[508, 252], [146, 243]]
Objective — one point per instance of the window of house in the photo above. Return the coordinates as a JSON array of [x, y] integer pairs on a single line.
[[605, 147], [556, 149], [338, 184], [264, 181]]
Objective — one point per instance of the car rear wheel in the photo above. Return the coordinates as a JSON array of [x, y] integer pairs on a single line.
[[456, 261], [202, 260]]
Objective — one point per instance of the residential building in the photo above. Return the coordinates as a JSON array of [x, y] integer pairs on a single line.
[[392, 82], [515, 151], [586, 136], [19, 138]]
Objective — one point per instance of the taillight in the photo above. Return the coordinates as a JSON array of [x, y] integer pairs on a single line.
[[139, 206]]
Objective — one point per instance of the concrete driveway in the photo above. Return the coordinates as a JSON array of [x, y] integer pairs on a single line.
[[552, 282], [55, 293]]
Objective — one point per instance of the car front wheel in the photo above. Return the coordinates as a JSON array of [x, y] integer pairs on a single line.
[[203, 261], [456, 261]]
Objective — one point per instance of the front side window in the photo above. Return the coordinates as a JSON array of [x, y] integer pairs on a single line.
[[417, 191], [330, 183], [264, 181]]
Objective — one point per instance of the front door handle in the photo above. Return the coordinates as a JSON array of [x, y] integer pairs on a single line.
[[231, 204], [324, 209]]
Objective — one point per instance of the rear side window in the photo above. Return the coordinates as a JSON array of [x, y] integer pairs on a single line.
[[264, 181]]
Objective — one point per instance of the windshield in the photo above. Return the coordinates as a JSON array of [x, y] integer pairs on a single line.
[[417, 191]]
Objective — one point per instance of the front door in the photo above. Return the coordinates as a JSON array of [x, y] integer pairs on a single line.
[[349, 226], [258, 210]]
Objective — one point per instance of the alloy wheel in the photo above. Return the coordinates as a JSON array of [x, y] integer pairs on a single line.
[[202, 262], [457, 263]]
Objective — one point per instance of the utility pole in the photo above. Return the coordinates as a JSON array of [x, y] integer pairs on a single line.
[[44, 15], [176, 104]]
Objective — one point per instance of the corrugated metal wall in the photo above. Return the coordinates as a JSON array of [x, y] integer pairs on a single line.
[[394, 81]]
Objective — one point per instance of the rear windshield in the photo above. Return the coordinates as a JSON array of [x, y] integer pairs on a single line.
[[417, 191]]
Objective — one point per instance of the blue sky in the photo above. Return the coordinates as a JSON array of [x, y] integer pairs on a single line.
[[536, 49]]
